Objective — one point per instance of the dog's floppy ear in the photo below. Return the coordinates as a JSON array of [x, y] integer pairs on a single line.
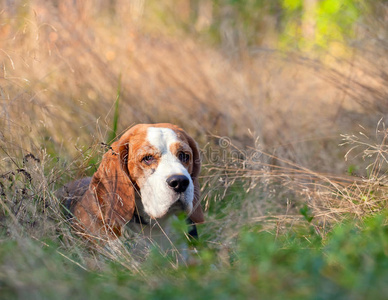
[[123, 154], [197, 214], [113, 189], [125, 147]]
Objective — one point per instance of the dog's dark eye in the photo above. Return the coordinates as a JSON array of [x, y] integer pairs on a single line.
[[148, 159], [183, 157]]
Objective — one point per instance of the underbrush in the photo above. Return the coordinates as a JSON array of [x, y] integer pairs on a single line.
[[350, 262], [273, 230]]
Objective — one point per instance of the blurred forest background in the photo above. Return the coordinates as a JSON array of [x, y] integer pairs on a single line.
[[295, 73]]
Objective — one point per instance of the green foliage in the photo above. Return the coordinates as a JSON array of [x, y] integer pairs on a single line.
[[327, 21], [290, 24], [352, 169], [336, 20], [305, 211], [293, 5], [351, 262]]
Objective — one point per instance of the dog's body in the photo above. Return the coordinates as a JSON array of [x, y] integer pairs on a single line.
[[148, 175]]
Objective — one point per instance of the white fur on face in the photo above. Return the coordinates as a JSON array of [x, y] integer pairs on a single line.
[[157, 196]]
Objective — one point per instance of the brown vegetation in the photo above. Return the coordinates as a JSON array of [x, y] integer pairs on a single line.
[[62, 66]]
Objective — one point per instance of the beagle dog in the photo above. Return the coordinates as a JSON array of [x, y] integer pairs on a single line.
[[148, 175]]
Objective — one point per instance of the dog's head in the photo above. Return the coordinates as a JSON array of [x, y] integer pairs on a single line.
[[162, 162]]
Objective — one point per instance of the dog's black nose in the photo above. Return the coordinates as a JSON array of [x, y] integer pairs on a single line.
[[178, 183]]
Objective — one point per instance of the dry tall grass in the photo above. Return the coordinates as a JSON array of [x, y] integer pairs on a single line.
[[61, 69], [62, 64]]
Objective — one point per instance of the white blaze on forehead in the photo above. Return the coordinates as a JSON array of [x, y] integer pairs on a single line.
[[157, 196], [161, 138]]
